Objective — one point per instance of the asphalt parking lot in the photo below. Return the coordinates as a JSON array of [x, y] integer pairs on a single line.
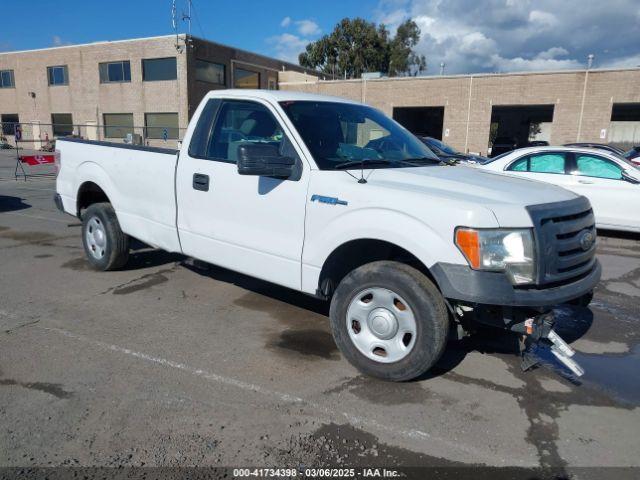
[[173, 363]]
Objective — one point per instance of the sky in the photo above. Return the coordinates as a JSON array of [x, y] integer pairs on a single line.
[[468, 36]]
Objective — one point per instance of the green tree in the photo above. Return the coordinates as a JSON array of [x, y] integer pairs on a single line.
[[356, 46], [402, 59]]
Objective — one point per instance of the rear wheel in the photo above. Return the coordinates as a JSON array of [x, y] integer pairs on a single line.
[[106, 246], [389, 320]]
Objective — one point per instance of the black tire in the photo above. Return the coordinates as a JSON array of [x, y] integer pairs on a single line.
[[425, 301], [115, 251]]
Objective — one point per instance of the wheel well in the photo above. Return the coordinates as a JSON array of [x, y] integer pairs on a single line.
[[356, 253], [88, 194]]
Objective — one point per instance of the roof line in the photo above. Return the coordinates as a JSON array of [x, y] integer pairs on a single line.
[[309, 71], [100, 42], [468, 75]]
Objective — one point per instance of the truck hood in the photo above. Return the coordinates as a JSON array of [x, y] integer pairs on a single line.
[[504, 195]]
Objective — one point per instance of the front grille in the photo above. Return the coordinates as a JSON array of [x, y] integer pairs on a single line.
[[560, 229]]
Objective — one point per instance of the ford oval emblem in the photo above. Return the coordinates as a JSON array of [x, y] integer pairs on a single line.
[[586, 240]]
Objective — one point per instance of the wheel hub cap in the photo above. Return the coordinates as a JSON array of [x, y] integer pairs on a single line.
[[96, 238], [383, 323]]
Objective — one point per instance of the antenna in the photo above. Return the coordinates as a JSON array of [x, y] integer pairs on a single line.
[[187, 16], [174, 23]]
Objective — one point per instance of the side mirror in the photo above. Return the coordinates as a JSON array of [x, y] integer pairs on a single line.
[[628, 178], [264, 160]]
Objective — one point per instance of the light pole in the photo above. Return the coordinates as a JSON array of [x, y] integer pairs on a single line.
[[590, 58], [442, 68]]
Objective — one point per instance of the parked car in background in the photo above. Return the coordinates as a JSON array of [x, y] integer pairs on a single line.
[[611, 184], [503, 145], [633, 155], [537, 143], [599, 146], [448, 153]]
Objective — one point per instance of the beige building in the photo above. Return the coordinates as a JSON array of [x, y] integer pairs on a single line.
[[151, 87], [467, 111], [104, 90]]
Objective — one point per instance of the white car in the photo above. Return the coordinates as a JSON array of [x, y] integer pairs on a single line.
[[611, 184], [334, 199]]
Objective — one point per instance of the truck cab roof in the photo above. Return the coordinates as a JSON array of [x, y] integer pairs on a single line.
[[276, 96]]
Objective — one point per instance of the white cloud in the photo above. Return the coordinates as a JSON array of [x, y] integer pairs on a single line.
[[543, 19], [57, 41], [631, 61], [307, 28], [552, 53], [392, 19], [288, 46], [512, 35]]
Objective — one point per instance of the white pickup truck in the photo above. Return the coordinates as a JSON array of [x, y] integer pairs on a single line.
[[332, 198]]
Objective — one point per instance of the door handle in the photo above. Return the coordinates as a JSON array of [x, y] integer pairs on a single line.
[[201, 182], [585, 182]]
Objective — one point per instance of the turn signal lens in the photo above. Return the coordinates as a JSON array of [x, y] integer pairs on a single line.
[[469, 244]]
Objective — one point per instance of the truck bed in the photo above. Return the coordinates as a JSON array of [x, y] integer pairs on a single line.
[[139, 181]]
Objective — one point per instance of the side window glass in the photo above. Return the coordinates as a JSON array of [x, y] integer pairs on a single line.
[[519, 165], [547, 163], [592, 166], [239, 123], [202, 132]]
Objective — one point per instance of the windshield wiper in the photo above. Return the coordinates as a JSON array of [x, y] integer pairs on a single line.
[[417, 160], [362, 163]]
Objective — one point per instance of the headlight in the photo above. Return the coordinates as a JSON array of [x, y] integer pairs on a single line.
[[499, 250]]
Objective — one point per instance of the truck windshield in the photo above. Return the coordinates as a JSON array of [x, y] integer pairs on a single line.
[[345, 135]]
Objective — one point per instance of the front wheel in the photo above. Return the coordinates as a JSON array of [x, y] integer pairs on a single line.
[[389, 320], [105, 244]]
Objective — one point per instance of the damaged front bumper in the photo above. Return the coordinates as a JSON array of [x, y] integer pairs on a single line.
[[534, 329], [462, 283]]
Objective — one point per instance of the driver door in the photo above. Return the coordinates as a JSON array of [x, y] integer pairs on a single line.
[[251, 224]]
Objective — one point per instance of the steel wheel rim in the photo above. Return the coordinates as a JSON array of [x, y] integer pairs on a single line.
[[381, 325], [96, 238]]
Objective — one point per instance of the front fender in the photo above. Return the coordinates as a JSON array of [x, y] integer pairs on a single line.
[[398, 228]]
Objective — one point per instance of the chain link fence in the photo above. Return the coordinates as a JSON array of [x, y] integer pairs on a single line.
[[42, 136]]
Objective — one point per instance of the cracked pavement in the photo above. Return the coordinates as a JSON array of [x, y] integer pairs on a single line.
[[175, 363]]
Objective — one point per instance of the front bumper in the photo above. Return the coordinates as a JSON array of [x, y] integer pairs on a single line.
[[462, 283]]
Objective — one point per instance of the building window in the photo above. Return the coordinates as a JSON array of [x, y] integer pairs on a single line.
[[9, 122], [246, 78], [210, 72], [117, 125], [6, 79], [62, 124], [58, 75], [159, 69], [272, 83], [115, 72], [161, 125]]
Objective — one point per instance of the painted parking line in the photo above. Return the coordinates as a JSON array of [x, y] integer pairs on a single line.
[[480, 456]]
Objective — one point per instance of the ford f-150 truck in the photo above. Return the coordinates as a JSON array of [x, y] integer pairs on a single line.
[[332, 198]]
